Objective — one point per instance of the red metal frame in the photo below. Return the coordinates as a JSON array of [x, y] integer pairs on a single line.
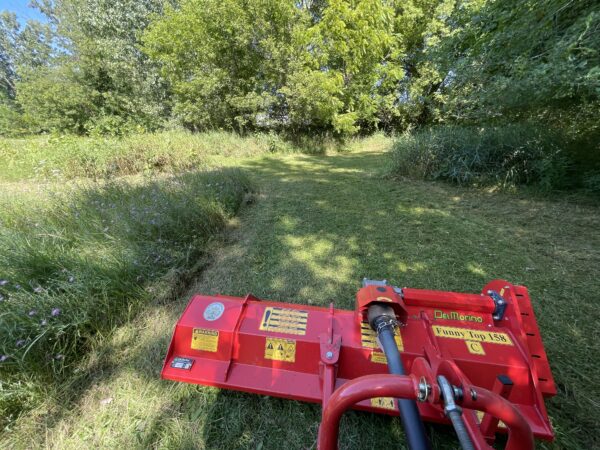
[[443, 333], [401, 386]]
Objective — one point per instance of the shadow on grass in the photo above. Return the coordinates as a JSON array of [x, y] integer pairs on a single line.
[[327, 222], [324, 223]]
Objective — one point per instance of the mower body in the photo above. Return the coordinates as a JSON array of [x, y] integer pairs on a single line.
[[306, 353]]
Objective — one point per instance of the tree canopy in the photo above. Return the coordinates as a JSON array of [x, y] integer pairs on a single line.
[[312, 66]]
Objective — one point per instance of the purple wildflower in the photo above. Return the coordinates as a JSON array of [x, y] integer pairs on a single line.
[[3, 358], [55, 312], [20, 343], [32, 313], [3, 282]]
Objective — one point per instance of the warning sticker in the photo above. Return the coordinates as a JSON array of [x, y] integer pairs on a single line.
[[475, 347], [284, 320], [467, 334], [204, 339], [368, 338], [383, 402], [480, 415], [378, 357], [280, 349]]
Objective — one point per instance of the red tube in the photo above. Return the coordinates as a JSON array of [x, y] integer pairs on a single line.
[[352, 392], [520, 436]]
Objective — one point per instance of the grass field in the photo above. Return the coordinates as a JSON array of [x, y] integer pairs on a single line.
[[318, 225]]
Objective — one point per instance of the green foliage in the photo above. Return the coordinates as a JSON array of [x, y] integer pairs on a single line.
[[302, 67], [9, 30], [11, 120], [536, 60], [591, 182], [502, 155], [354, 44], [52, 100], [312, 99], [52, 158], [84, 72], [333, 68], [225, 59], [22, 49], [79, 261]]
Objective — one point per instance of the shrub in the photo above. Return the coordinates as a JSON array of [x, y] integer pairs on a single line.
[[82, 260], [591, 182], [502, 155]]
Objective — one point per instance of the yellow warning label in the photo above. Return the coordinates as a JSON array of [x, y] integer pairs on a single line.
[[480, 414], [204, 339], [475, 347], [284, 320], [368, 338], [466, 334], [280, 349], [383, 402], [378, 357]]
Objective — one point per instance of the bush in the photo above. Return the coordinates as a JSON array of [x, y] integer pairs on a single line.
[[79, 261], [11, 120], [591, 182], [502, 155]]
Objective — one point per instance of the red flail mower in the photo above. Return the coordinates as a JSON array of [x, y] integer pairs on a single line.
[[475, 361]]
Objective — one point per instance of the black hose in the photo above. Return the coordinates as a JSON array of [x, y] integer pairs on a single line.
[[461, 431], [409, 414]]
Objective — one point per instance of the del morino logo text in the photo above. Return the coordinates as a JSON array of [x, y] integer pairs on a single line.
[[454, 315]]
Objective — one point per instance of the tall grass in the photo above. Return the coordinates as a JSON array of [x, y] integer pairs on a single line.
[[68, 157], [83, 258], [502, 155]]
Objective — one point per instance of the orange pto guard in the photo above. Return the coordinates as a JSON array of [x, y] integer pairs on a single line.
[[475, 361]]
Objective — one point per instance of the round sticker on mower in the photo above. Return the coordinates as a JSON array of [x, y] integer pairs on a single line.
[[214, 311]]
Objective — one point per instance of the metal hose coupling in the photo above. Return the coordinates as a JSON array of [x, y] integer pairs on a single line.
[[447, 392], [381, 317]]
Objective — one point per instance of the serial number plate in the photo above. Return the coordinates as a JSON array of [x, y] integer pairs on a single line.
[[182, 363]]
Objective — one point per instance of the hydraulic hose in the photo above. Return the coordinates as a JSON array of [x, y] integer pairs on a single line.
[[409, 414]]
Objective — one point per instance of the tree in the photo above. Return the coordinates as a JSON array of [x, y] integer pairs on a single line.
[[354, 45], [226, 60], [103, 74], [339, 66], [23, 51], [513, 61]]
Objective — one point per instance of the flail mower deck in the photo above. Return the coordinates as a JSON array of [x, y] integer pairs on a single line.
[[473, 360]]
